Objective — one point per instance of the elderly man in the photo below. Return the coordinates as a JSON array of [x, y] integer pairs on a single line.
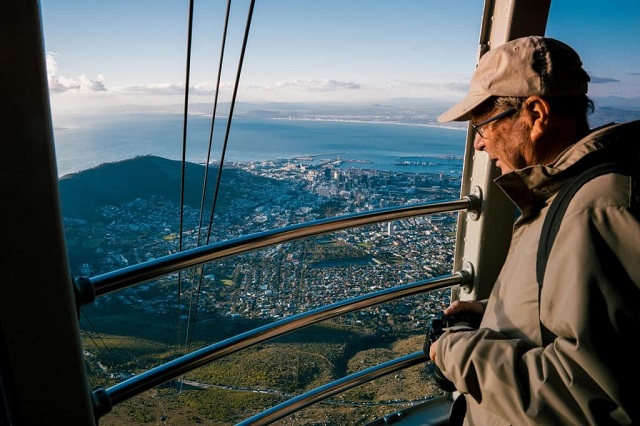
[[554, 350]]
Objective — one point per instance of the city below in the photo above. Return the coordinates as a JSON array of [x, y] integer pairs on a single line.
[[289, 278]]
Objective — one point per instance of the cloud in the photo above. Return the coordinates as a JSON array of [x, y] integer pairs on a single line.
[[52, 64], [291, 90], [635, 74], [96, 92], [444, 86], [209, 89], [153, 89], [315, 85], [80, 84], [163, 89], [351, 91], [602, 80]]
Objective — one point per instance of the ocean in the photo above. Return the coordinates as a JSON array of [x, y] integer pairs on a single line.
[[95, 140]]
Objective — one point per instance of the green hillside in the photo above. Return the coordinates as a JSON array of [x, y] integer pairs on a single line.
[[83, 193]]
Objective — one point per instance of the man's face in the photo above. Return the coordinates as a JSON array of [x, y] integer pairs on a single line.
[[507, 140]]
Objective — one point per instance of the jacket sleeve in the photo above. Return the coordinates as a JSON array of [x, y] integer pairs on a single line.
[[591, 301]]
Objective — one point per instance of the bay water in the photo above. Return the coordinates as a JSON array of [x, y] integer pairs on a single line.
[[85, 143]]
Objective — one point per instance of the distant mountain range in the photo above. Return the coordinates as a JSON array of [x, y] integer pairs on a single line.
[[629, 104], [82, 193], [603, 115], [408, 111]]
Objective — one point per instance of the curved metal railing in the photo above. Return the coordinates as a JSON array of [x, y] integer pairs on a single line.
[[136, 274], [104, 399], [323, 392]]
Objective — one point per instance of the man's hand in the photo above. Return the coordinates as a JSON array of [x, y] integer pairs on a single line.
[[456, 307], [465, 306], [433, 350]]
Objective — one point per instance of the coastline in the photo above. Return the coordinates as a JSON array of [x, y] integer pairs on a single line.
[[360, 142]]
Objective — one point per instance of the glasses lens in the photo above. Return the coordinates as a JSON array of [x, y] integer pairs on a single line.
[[477, 130], [503, 114]]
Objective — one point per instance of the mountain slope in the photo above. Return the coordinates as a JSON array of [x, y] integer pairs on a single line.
[[83, 193]]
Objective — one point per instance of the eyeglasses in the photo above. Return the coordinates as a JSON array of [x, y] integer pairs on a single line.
[[503, 114]]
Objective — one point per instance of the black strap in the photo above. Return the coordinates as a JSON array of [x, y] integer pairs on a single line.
[[552, 223], [458, 411]]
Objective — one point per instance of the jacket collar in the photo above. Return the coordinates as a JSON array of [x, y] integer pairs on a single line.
[[531, 186]]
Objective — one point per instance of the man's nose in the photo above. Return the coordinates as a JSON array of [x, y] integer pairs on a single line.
[[478, 143]]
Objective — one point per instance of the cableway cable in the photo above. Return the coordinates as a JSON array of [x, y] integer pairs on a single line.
[[231, 109], [111, 358], [193, 304], [224, 145], [184, 151], [213, 120]]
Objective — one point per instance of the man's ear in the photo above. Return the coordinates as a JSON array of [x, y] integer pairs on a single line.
[[537, 110]]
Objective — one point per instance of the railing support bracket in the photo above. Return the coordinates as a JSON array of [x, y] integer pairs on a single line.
[[468, 275], [84, 291], [476, 203]]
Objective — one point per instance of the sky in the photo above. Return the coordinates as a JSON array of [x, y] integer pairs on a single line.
[[121, 52]]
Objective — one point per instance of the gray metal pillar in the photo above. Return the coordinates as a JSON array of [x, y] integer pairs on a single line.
[[42, 369], [483, 241]]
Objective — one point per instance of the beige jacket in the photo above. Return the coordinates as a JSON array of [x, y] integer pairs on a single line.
[[590, 300]]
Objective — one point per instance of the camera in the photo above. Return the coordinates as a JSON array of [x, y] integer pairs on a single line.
[[441, 322], [436, 327]]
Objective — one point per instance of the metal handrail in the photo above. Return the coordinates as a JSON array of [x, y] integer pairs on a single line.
[[136, 274], [326, 391], [105, 399]]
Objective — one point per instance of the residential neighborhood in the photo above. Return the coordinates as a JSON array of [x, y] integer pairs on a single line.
[[293, 277]]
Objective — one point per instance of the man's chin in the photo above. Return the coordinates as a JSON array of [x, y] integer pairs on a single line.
[[499, 165]]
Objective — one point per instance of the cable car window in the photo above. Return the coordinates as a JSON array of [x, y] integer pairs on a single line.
[[303, 112], [605, 36]]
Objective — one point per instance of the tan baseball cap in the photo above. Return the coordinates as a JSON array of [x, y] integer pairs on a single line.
[[523, 67]]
